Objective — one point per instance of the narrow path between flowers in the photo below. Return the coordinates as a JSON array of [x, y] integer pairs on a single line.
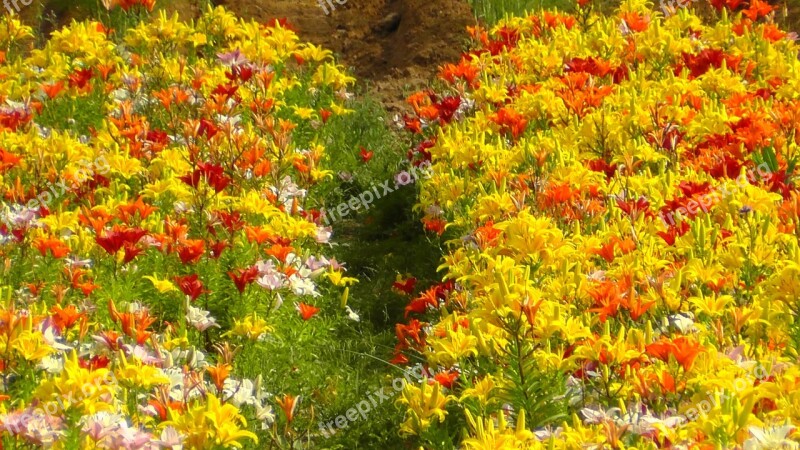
[[378, 246]]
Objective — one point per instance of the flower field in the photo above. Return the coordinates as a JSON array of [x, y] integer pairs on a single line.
[[157, 219], [210, 239], [618, 198]]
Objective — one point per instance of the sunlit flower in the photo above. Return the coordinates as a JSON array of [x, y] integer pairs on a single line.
[[770, 438], [199, 318], [306, 311]]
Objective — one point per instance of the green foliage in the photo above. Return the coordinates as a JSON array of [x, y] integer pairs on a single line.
[[539, 393], [77, 115], [491, 11]]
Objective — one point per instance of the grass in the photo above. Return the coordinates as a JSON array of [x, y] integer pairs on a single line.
[[787, 13], [376, 244], [491, 11], [48, 16]]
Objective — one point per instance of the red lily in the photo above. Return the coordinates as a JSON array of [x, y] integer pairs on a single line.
[[56, 247], [365, 155], [114, 240], [307, 311], [244, 277], [191, 250], [191, 286], [446, 379], [405, 286]]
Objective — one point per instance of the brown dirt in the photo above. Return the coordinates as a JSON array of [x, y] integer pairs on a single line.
[[397, 45]]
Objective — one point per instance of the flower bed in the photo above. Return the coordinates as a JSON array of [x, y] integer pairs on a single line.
[[619, 201], [161, 186]]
